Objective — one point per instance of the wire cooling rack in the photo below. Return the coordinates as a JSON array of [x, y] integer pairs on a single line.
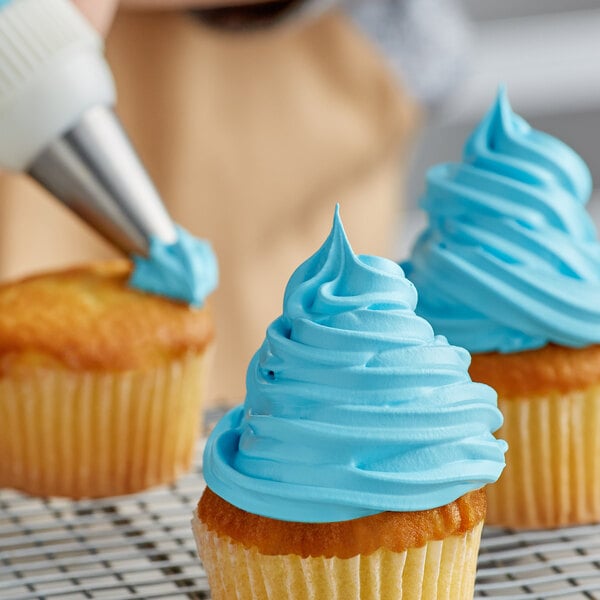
[[142, 547]]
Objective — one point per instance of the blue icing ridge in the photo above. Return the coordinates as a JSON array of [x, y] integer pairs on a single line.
[[353, 405], [510, 260], [185, 270]]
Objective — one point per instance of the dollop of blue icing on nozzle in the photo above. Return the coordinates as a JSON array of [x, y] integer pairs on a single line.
[[185, 270]]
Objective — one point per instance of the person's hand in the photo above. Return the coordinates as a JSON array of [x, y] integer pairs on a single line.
[[101, 14]]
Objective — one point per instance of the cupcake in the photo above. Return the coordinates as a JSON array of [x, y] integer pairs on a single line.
[[509, 268], [355, 467], [100, 384]]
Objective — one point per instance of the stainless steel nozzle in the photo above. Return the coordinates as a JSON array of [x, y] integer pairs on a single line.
[[94, 170]]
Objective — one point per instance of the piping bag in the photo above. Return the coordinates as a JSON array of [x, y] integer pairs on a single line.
[[57, 124]]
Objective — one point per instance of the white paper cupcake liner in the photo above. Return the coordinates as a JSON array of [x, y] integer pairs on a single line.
[[552, 474], [85, 434], [439, 570]]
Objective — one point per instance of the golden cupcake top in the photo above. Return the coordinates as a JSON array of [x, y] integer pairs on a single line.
[[538, 372], [395, 531], [88, 318]]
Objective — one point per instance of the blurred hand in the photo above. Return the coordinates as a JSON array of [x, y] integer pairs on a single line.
[[101, 14]]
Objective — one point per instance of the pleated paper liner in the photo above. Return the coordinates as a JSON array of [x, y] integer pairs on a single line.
[[552, 474], [439, 570], [85, 434]]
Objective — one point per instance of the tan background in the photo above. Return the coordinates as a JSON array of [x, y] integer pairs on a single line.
[[251, 139]]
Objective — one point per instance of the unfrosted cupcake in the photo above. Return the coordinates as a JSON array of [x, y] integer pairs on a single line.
[[100, 384], [509, 268], [355, 467]]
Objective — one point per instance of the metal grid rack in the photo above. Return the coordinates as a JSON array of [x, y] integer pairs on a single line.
[[129, 547], [142, 547]]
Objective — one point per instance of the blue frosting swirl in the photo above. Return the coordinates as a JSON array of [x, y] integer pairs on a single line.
[[510, 260], [185, 270], [353, 405]]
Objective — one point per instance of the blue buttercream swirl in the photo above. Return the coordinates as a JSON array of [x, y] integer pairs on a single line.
[[510, 260], [185, 270], [353, 405]]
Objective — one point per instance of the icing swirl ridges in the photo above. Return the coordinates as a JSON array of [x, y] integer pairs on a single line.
[[510, 260], [353, 405]]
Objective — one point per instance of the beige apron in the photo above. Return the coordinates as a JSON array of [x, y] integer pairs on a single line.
[[251, 139]]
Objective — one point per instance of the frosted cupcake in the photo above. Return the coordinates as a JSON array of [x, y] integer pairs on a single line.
[[509, 268], [101, 385], [355, 467]]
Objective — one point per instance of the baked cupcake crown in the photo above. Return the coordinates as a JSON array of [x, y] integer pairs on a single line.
[[88, 319], [510, 259], [353, 405]]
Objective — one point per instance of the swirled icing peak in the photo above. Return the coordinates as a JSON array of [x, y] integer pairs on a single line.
[[185, 270], [353, 405], [510, 260]]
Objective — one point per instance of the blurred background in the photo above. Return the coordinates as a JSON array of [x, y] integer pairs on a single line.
[[547, 53], [255, 120]]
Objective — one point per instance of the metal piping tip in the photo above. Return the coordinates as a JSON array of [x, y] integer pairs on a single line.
[[94, 170]]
